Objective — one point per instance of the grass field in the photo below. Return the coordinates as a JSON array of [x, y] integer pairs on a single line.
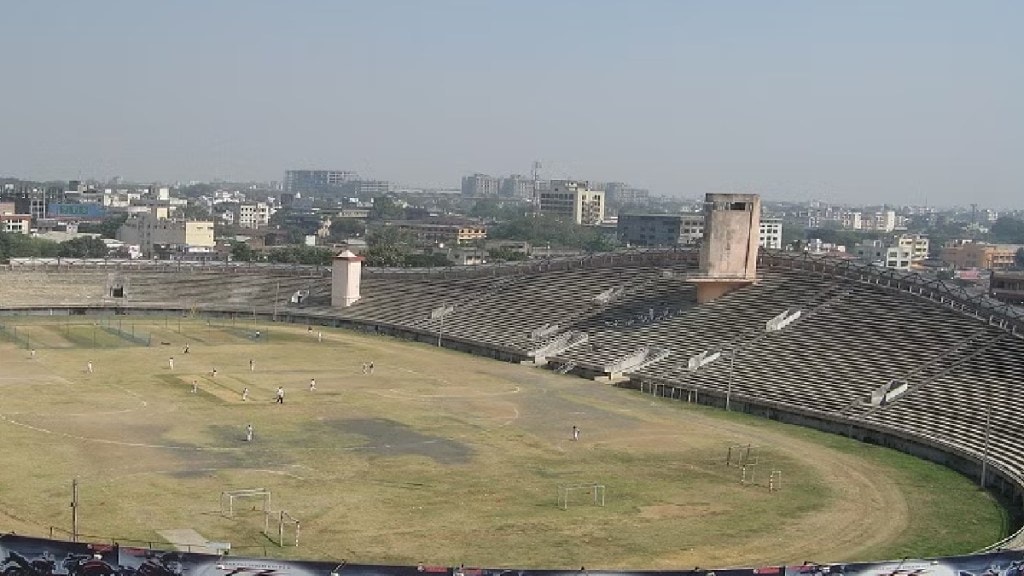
[[437, 457]]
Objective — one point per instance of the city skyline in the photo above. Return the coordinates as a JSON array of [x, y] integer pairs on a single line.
[[908, 103]]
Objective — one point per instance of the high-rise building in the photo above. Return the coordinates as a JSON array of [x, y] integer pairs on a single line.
[[316, 180], [882, 221], [621, 194], [252, 215], [573, 199], [480, 185], [366, 188], [517, 186], [770, 233]]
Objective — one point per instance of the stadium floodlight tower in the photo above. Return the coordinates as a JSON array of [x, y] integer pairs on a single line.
[[346, 274], [728, 254]]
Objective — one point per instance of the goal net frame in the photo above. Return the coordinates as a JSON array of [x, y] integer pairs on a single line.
[[228, 497], [565, 492], [740, 455], [284, 520]]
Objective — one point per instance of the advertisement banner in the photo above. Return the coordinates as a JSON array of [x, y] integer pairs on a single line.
[[22, 556]]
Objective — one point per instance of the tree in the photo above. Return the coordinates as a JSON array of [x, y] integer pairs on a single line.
[[342, 228], [22, 246], [1008, 230], [107, 228], [83, 247], [301, 254], [194, 211], [506, 255], [388, 246], [385, 208], [434, 259], [554, 231], [242, 252]]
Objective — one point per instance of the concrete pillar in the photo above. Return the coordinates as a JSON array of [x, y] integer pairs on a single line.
[[728, 254], [346, 274]]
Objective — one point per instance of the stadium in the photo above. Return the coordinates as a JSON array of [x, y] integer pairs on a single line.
[[685, 410]]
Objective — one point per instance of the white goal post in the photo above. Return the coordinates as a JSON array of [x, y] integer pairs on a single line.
[[284, 520], [567, 491], [228, 497]]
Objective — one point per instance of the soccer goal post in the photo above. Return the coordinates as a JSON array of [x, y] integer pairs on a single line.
[[580, 493], [284, 522], [228, 497]]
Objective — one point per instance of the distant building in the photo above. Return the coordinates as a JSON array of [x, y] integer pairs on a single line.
[[1007, 286], [252, 215], [917, 244], [516, 186], [882, 221], [980, 255], [770, 233], [621, 194], [652, 229], [161, 235], [573, 199], [438, 232], [12, 222], [35, 201], [851, 220], [315, 180], [880, 253], [683, 230], [366, 188], [479, 185]]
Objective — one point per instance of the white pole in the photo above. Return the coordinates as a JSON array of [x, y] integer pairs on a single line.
[[74, 510], [988, 432]]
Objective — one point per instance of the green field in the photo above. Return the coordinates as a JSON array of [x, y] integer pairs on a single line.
[[436, 457]]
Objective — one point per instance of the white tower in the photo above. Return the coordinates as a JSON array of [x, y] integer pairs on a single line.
[[346, 273]]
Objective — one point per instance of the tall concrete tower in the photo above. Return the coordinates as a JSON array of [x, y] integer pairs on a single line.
[[346, 274], [728, 255]]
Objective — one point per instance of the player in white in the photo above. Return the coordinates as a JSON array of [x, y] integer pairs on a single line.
[[575, 433], [248, 432], [319, 336], [88, 366], [195, 386], [312, 384], [170, 362], [245, 394], [280, 395], [252, 365]]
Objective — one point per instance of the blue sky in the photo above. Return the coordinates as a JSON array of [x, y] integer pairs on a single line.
[[852, 101]]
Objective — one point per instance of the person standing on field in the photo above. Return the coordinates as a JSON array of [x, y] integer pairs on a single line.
[[280, 395]]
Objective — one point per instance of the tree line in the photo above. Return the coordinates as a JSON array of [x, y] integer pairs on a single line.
[[14, 245]]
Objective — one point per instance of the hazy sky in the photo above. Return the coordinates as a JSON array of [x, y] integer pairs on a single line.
[[852, 101]]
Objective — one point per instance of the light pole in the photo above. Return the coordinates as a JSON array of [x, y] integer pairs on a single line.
[[74, 510], [440, 328], [728, 388], [988, 434]]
